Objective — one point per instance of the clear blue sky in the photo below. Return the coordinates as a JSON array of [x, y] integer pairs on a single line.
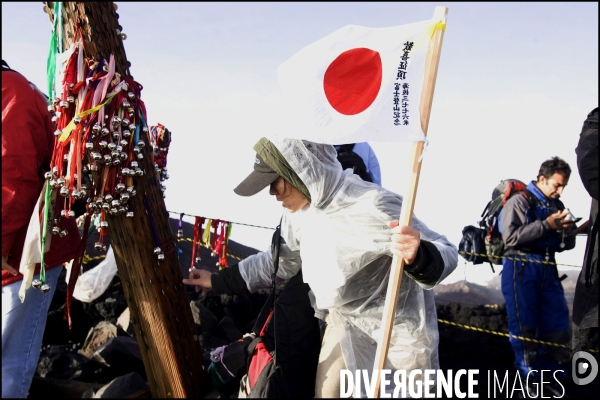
[[515, 82]]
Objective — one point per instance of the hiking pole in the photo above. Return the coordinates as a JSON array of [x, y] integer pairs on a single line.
[[408, 203]]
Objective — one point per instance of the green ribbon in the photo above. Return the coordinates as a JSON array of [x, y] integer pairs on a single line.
[[45, 231], [51, 60]]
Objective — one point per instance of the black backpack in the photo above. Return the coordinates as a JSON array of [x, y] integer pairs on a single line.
[[485, 244], [349, 159]]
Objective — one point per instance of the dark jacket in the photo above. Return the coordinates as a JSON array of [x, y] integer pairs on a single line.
[[585, 304]]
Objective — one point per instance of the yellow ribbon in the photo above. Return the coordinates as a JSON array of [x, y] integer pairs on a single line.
[[66, 132]]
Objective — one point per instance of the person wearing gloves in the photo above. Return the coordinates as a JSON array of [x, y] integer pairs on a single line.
[[343, 233]]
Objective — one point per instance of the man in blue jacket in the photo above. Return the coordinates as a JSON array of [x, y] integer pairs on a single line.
[[534, 296]]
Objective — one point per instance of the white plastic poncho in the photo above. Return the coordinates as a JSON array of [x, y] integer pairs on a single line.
[[346, 259]]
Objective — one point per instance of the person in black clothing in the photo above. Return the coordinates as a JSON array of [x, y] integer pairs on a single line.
[[585, 304]]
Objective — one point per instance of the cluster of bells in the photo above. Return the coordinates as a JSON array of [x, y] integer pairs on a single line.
[[37, 284], [163, 176], [159, 253]]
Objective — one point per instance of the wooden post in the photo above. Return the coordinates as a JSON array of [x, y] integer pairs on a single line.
[[408, 203], [158, 304]]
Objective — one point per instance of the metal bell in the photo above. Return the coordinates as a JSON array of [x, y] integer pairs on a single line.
[[105, 207], [98, 246], [124, 122], [145, 129], [141, 144], [63, 104], [71, 99], [129, 214], [103, 224], [66, 157], [71, 214], [82, 193], [77, 120], [103, 144], [108, 198], [131, 95], [99, 202], [64, 191], [85, 169], [118, 147], [123, 156], [179, 233], [63, 233], [96, 128], [114, 153], [132, 127], [107, 159], [139, 172], [53, 184], [134, 164], [96, 156], [197, 260], [115, 203], [36, 284], [125, 197], [157, 250], [140, 156], [60, 181], [123, 143], [105, 131], [125, 104], [48, 175], [116, 135], [166, 176], [55, 230], [130, 110], [50, 108], [160, 256], [57, 132], [126, 133], [133, 193], [136, 150], [75, 194], [113, 211], [89, 146], [45, 287], [116, 120], [126, 171], [120, 188]]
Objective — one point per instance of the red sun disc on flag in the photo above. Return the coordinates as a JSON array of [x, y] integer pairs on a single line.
[[352, 81]]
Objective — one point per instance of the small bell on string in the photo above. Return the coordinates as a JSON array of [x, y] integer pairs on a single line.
[[63, 233], [89, 146], [96, 156], [123, 156], [126, 104], [105, 131], [141, 144], [76, 194], [140, 156], [77, 120], [63, 104], [131, 95], [139, 171], [198, 259], [125, 197], [50, 108], [103, 224], [118, 147], [122, 210], [107, 159], [134, 164], [71, 99], [136, 150], [36, 284], [125, 171], [64, 191], [105, 207], [157, 250], [120, 188], [129, 214], [126, 133], [160, 256], [53, 184], [57, 132], [48, 175], [116, 135], [108, 197], [98, 246], [114, 211], [45, 287], [96, 128], [124, 122], [60, 181], [180, 233], [111, 146], [132, 127], [55, 230], [71, 214], [116, 121], [123, 142]]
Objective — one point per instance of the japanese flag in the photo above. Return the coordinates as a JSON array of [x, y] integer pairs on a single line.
[[357, 84]]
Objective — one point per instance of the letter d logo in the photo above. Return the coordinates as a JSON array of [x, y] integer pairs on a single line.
[[584, 368]]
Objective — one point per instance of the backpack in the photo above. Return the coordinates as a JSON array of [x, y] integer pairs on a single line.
[[485, 244], [349, 159], [283, 357]]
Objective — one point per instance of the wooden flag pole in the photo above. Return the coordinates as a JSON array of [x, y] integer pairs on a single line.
[[408, 203], [158, 304]]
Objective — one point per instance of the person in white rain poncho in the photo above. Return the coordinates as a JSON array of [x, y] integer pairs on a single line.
[[343, 233]]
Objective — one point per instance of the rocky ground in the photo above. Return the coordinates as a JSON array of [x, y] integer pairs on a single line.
[[100, 357]]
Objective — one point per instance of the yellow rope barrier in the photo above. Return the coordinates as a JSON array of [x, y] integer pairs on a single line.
[[517, 259], [474, 328]]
